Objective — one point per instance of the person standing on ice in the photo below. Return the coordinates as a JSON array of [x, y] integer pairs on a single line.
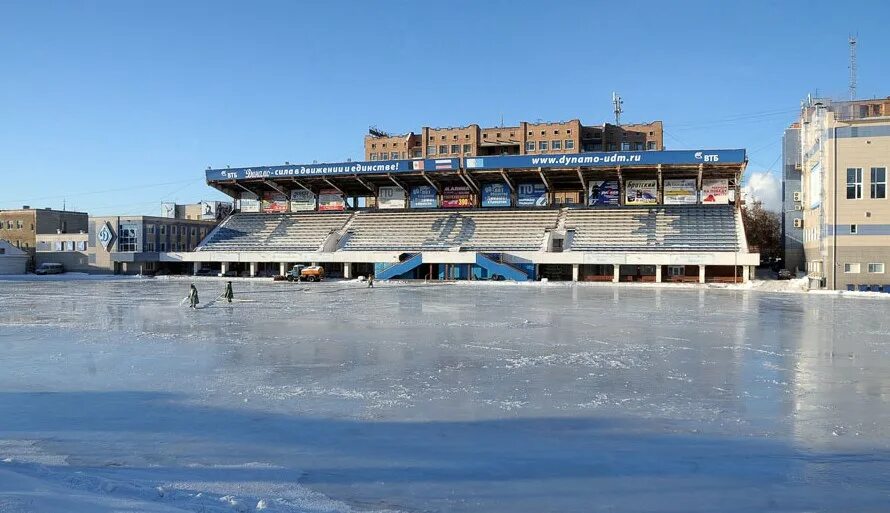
[[370, 281], [193, 296], [228, 294]]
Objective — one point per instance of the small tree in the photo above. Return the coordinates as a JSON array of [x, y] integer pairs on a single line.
[[763, 229]]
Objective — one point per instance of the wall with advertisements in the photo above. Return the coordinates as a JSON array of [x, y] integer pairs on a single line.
[[603, 192], [680, 191], [301, 200], [641, 192], [457, 196], [274, 202], [391, 197], [330, 199], [496, 195], [424, 196], [531, 195], [249, 202], [715, 191]]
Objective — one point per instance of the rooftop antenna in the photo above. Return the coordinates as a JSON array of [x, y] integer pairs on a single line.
[[617, 102], [852, 42]]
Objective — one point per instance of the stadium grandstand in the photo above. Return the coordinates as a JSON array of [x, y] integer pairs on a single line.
[[596, 216]]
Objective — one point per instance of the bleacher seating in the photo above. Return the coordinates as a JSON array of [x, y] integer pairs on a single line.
[[274, 232], [440, 230], [656, 228]]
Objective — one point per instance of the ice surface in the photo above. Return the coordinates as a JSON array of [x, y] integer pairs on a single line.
[[335, 398]]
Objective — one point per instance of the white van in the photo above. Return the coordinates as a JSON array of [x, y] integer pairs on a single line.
[[49, 269]]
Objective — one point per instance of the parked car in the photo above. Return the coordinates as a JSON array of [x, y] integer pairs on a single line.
[[205, 271], [49, 269], [230, 274], [784, 274]]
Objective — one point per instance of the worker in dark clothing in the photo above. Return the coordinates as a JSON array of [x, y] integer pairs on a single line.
[[228, 294], [371, 281], [193, 296]]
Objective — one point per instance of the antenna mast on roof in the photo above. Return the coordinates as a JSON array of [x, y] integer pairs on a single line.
[[617, 102], [852, 67]]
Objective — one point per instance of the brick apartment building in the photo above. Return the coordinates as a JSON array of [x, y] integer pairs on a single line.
[[524, 139], [21, 227]]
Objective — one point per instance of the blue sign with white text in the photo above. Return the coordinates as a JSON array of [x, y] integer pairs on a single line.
[[495, 195], [531, 195], [333, 169], [607, 159], [423, 196]]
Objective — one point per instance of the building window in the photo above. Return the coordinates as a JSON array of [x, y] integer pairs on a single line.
[[394, 155], [498, 135], [163, 247], [58, 245], [417, 153], [485, 136], [851, 268], [163, 229], [149, 246], [530, 146], [854, 183], [854, 229], [82, 245], [150, 229], [542, 145], [529, 132], [126, 242], [569, 131], [455, 148], [625, 146], [373, 156], [676, 270], [638, 146], [556, 132], [877, 268], [384, 145], [556, 145], [443, 149], [466, 149], [650, 145], [18, 224], [878, 183], [431, 150], [569, 144]]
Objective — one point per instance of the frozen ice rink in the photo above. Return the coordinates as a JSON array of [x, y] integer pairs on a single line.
[[440, 398]]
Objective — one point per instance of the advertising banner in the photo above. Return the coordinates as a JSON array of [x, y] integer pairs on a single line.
[[715, 191], [531, 195], [641, 192], [390, 197], [249, 202], [457, 196], [274, 202], [168, 210], [680, 192], [495, 195], [301, 200], [330, 199], [606, 159], [603, 192], [423, 196]]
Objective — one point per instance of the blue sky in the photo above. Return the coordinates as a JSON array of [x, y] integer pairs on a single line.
[[116, 106]]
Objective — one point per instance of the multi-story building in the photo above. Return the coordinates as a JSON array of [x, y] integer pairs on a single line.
[[845, 154], [135, 244], [526, 138], [21, 227], [792, 208]]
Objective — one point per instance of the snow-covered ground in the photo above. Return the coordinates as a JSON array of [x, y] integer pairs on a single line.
[[434, 397]]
